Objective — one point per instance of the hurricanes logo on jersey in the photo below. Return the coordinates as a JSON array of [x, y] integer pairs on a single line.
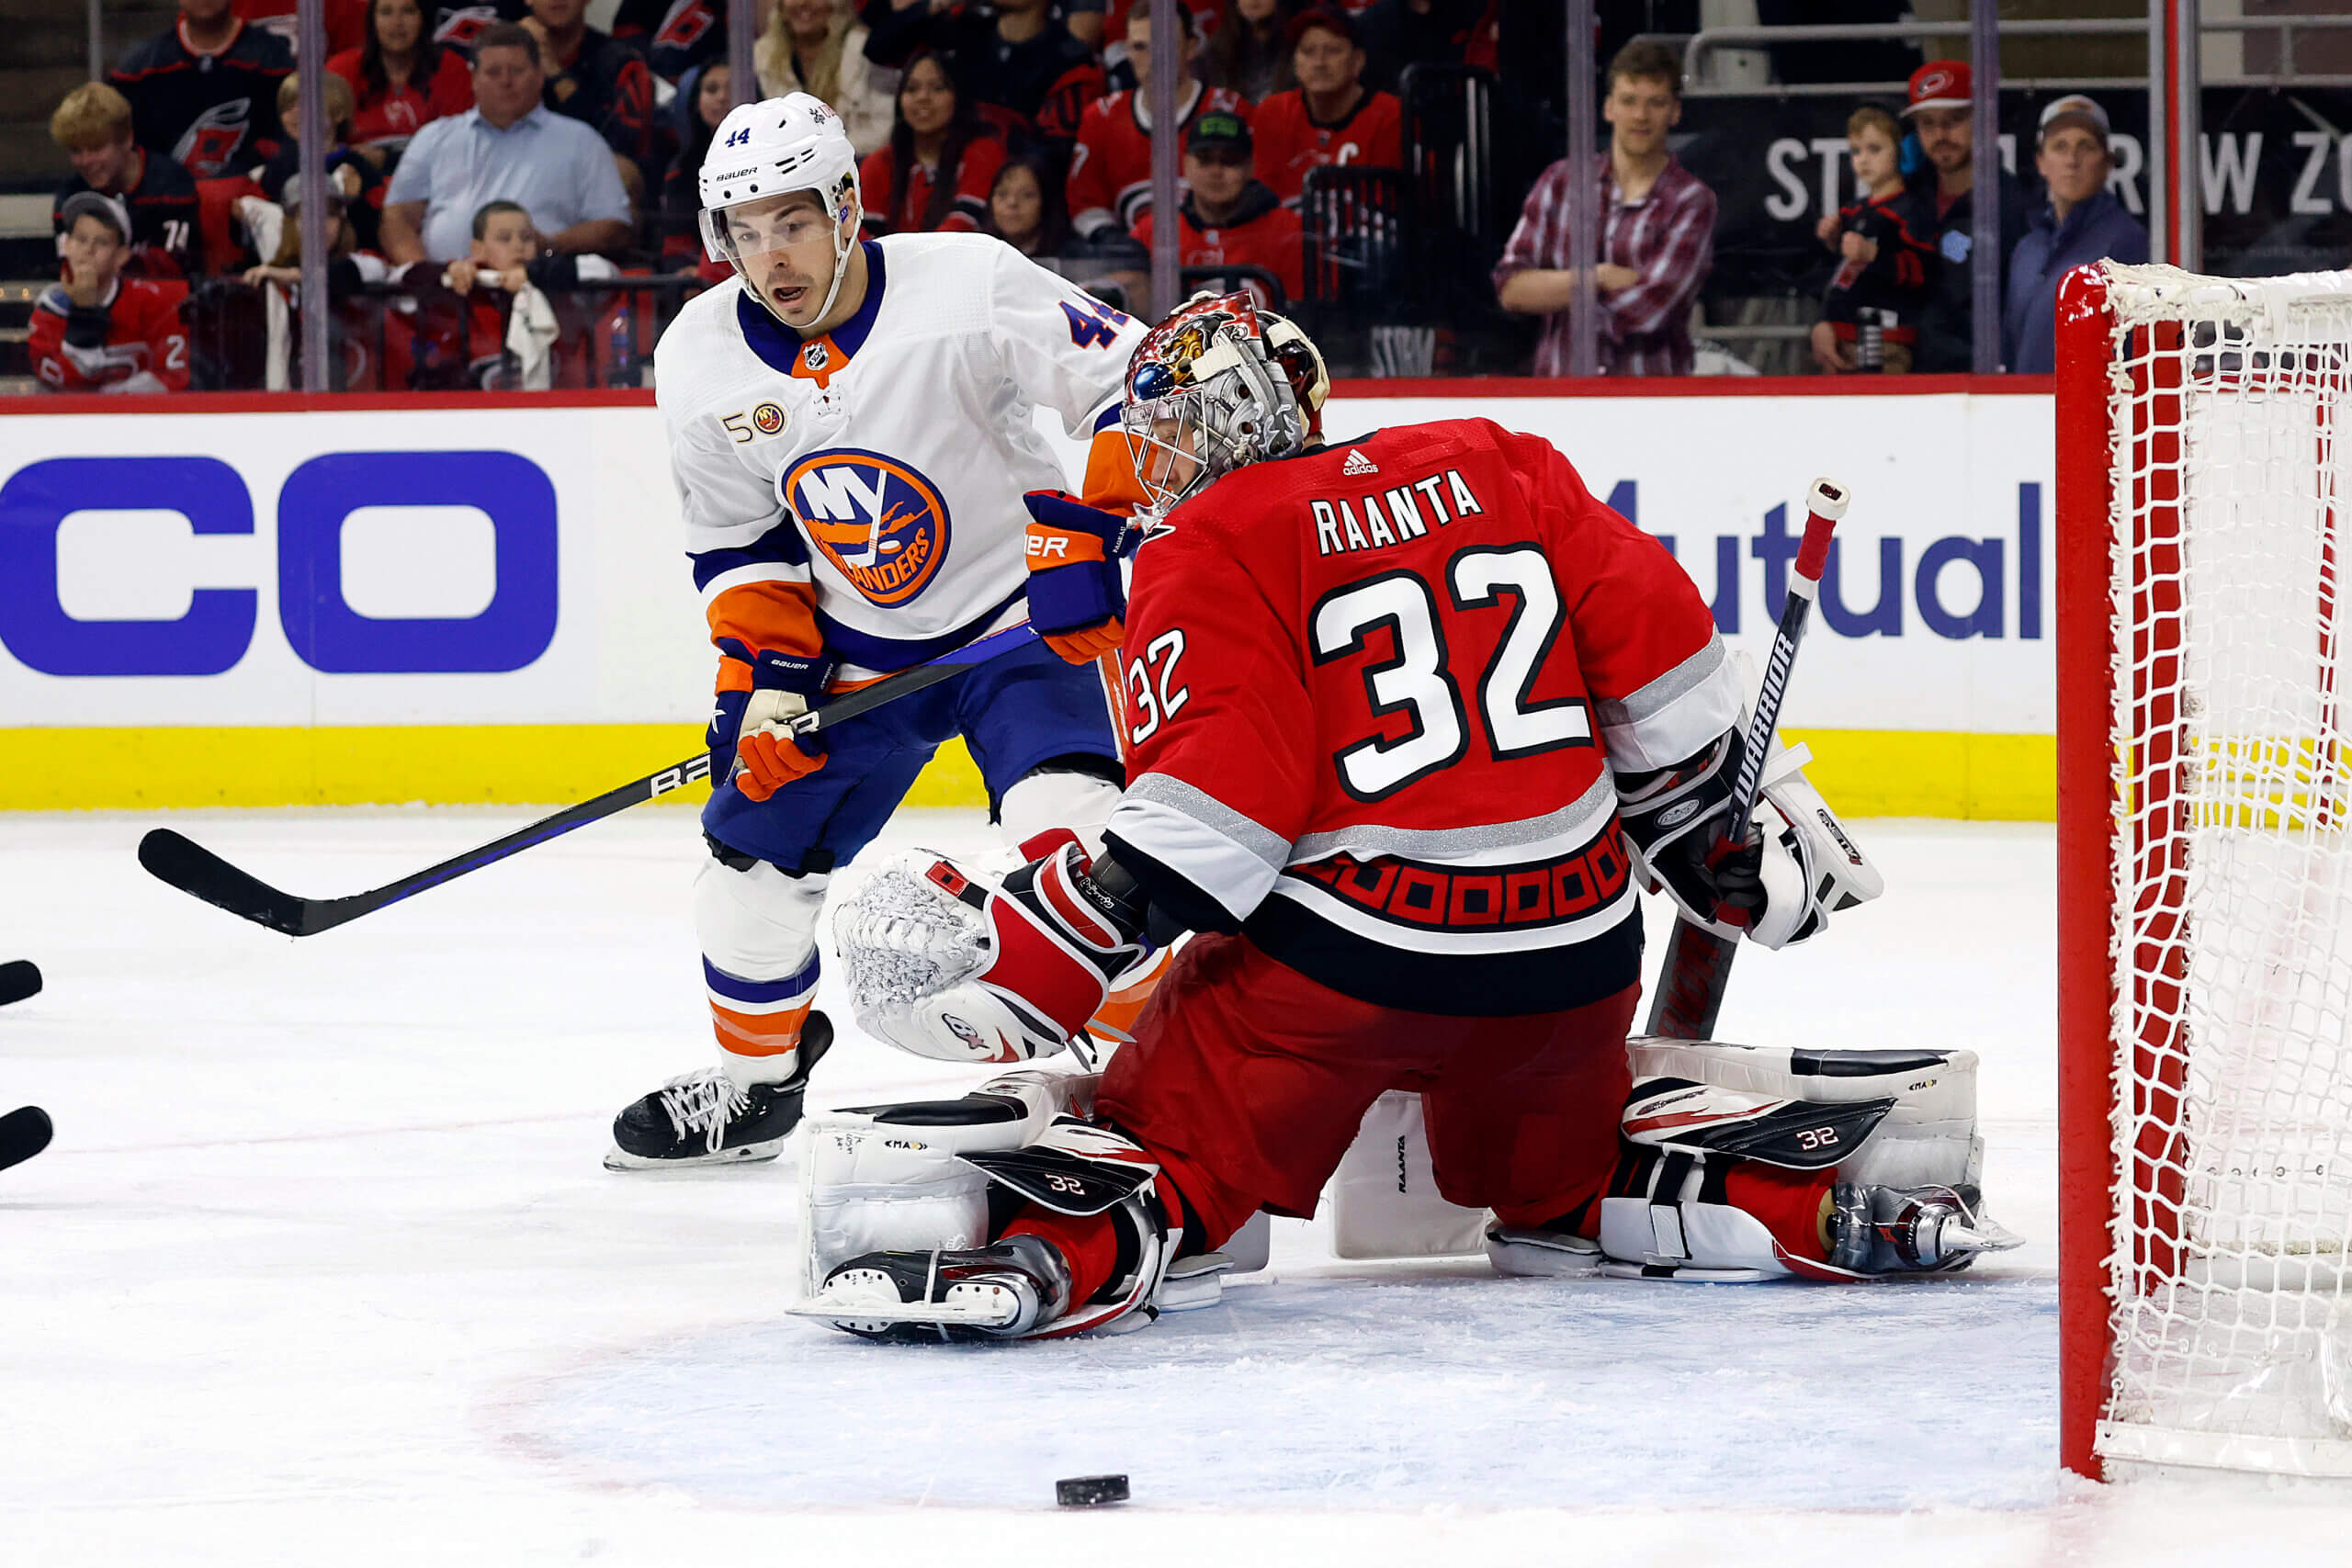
[[881, 522]]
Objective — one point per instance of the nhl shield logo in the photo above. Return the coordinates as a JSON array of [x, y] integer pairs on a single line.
[[880, 521], [816, 356]]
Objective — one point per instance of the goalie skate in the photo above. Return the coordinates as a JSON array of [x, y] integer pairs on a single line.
[[1890, 1230], [703, 1119], [1001, 1291]]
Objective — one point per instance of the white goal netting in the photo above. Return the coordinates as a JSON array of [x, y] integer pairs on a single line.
[[2232, 938]]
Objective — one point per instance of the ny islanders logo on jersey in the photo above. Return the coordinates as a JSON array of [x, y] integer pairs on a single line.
[[881, 522]]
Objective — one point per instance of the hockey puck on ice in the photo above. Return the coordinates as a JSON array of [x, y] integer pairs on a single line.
[[1090, 1490]]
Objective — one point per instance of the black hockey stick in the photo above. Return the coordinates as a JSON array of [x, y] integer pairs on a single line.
[[18, 979], [24, 1132], [1697, 971], [196, 871]]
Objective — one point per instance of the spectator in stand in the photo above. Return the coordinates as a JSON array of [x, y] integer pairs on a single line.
[[99, 331], [1657, 233], [1110, 175], [674, 35], [940, 165], [93, 125], [2082, 222], [1397, 33], [1229, 217], [1331, 117], [1943, 209], [1026, 212], [1250, 50], [1025, 75], [204, 94], [603, 84], [705, 94], [1882, 266], [1208, 16], [816, 47], [354, 177], [401, 77], [509, 147]]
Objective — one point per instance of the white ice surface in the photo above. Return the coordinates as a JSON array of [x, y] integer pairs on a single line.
[[322, 1268]]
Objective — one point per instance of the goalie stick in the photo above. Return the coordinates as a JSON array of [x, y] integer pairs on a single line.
[[198, 872], [18, 979], [1696, 970]]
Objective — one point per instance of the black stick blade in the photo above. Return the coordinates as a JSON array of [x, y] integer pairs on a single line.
[[200, 874], [24, 1132], [18, 979]]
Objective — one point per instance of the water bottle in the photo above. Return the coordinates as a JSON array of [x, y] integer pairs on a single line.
[[1869, 332], [620, 356]]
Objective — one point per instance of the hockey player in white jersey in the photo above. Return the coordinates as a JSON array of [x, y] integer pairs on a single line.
[[852, 435]]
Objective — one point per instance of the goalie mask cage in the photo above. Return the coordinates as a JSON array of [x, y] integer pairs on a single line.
[[2205, 872]]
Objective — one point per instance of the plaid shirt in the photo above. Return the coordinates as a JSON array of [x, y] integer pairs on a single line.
[[1667, 237]]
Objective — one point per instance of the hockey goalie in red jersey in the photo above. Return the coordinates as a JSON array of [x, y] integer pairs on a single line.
[[1411, 718]]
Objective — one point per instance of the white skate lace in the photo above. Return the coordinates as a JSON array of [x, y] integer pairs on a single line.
[[902, 941], [703, 1102]]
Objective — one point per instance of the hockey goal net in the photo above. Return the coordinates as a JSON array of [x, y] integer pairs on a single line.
[[2205, 849]]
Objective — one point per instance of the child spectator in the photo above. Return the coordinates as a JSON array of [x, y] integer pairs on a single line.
[[351, 336], [93, 125], [204, 94], [401, 77], [1658, 224], [937, 171], [1229, 217], [1331, 117], [503, 332], [1882, 266], [353, 178], [1110, 175], [816, 47], [1250, 49], [99, 331]]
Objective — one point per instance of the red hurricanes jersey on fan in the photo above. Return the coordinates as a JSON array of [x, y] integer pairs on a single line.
[[1289, 144], [1374, 696], [1269, 239], [1110, 172], [144, 338]]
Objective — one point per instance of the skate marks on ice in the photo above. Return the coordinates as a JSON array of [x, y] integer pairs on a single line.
[[1431, 1388]]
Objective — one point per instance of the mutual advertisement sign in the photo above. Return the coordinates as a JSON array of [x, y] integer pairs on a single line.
[[360, 571]]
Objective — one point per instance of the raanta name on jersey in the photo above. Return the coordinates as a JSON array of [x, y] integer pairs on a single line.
[[1390, 516]]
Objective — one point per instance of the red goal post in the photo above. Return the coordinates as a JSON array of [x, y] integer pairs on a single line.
[[2204, 873]]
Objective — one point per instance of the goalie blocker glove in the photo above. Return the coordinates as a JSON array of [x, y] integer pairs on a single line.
[[949, 961], [1779, 880]]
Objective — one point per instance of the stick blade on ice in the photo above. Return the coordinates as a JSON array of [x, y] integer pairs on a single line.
[[24, 1132], [198, 872], [18, 979]]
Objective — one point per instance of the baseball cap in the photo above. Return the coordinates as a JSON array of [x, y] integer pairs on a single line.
[[1324, 16], [1940, 84], [2074, 108], [1218, 128], [98, 205]]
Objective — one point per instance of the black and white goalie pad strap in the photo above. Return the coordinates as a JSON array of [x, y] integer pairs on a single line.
[[1885, 1118]]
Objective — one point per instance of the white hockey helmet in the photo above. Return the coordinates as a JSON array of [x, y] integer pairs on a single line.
[[1219, 384], [771, 149]]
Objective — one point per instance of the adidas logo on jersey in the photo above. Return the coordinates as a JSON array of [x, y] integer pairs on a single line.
[[1358, 463]]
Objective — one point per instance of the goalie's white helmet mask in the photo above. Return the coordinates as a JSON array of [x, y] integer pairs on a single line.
[[761, 155], [1219, 384]]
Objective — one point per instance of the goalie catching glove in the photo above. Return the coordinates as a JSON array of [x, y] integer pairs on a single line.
[[1778, 881], [948, 960]]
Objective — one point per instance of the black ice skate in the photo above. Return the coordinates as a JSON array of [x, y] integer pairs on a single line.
[[703, 1119], [1905, 1230], [922, 1298]]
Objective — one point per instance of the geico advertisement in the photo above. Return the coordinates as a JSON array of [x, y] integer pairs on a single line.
[[1935, 612], [525, 566], [507, 566]]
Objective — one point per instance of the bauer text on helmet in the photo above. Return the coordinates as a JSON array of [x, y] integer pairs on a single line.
[[1219, 384], [767, 161]]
